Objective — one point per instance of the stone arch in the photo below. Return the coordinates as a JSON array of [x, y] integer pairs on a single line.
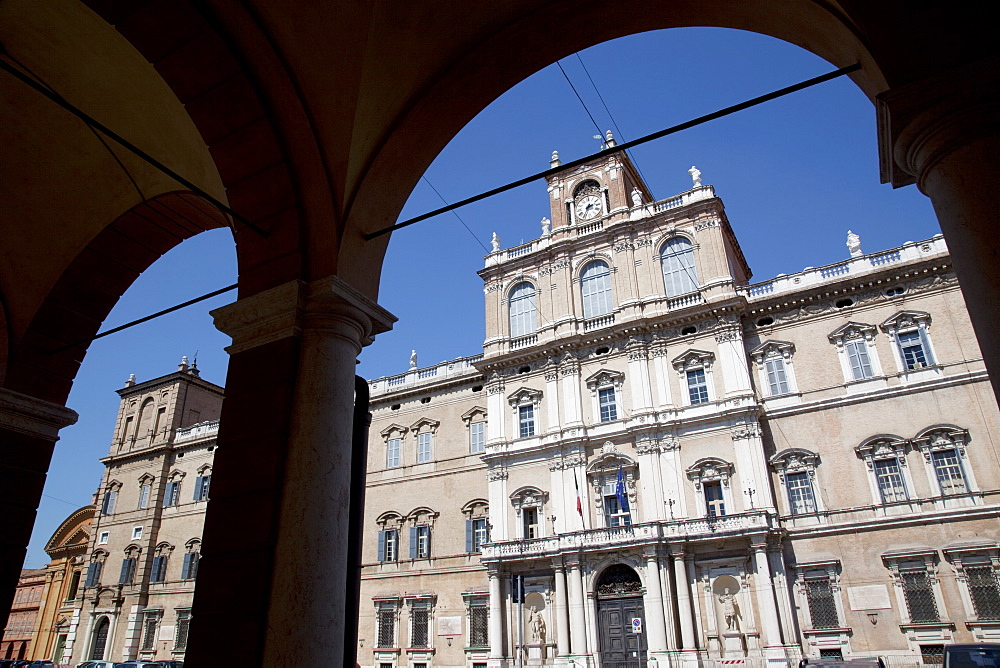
[[618, 579]]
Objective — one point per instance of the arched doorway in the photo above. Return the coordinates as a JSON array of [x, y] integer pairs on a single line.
[[100, 639], [622, 642]]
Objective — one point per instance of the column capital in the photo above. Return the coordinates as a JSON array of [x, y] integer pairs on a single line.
[[285, 310], [33, 417], [921, 122]]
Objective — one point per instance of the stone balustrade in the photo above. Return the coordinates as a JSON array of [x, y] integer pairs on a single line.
[[197, 431], [461, 366]]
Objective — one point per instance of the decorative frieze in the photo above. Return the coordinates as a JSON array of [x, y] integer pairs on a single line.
[[641, 242], [498, 473], [747, 430], [553, 267]]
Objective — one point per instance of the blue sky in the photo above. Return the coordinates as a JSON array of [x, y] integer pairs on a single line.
[[795, 174]]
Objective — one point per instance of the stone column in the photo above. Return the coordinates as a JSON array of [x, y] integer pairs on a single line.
[[765, 594], [789, 625], [562, 610], [577, 614], [285, 451], [496, 615], [29, 429], [655, 625], [940, 132], [684, 610]]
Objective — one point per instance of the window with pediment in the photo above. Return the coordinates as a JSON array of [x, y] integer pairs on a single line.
[[529, 509], [525, 403], [774, 367], [818, 586], [796, 469], [885, 459], [977, 570], [421, 522], [605, 389], [946, 460], [392, 436], [424, 430], [855, 344], [914, 574], [910, 334], [694, 369], [475, 422], [390, 526], [612, 478], [477, 525], [711, 477]]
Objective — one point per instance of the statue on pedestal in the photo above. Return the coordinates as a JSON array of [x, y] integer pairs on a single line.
[[729, 610], [537, 625]]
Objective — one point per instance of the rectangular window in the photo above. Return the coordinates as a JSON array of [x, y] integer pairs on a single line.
[[150, 625], [104, 538], [158, 573], [609, 409], [136, 533], [388, 545], [93, 574], [477, 437], [800, 493], [613, 511], [478, 534], [822, 606], [949, 472], [110, 497], [128, 571], [529, 519], [418, 624], [392, 453], [932, 655], [420, 542], [911, 347], [777, 381], [423, 447], [984, 591], [144, 496], [189, 569], [181, 634], [714, 501], [919, 595], [697, 387], [386, 625], [172, 494], [857, 356], [201, 485], [890, 480], [479, 621], [836, 654], [526, 421]]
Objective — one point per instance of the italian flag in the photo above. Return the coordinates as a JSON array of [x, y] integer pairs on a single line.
[[579, 502]]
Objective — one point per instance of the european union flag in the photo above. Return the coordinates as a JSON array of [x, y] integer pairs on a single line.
[[621, 494]]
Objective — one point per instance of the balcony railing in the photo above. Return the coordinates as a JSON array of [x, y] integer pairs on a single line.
[[612, 538], [599, 322], [524, 341], [457, 367]]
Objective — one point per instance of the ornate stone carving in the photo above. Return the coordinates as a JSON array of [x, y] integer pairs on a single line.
[[499, 473], [745, 431], [725, 335]]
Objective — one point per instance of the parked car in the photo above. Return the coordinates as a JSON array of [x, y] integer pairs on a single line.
[[979, 655], [138, 664], [97, 664], [171, 664], [41, 663]]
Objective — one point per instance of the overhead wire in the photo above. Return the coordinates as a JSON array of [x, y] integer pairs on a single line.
[[441, 197]]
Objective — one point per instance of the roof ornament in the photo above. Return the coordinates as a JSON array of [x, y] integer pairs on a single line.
[[854, 244], [183, 366], [495, 241], [554, 161], [546, 226], [131, 380], [695, 176], [413, 358]]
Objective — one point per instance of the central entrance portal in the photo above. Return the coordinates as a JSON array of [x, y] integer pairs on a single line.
[[619, 605]]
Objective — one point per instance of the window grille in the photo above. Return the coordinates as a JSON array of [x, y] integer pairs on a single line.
[[609, 409], [837, 654], [822, 606], [526, 421], [479, 617], [777, 380], [418, 625], [932, 655], [800, 493], [919, 597], [392, 453], [423, 447], [949, 472], [522, 310], [183, 624], [596, 288], [890, 480], [386, 625], [677, 263], [697, 387], [985, 591], [857, 355], [477, 437], [151, 625]]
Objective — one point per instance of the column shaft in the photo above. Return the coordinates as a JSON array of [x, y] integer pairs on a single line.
[[562, 613], [657, 638], [496, 616], [577, 614], [765, 598], [684, 610]]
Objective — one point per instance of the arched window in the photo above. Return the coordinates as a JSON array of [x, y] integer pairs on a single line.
[[522, 309], [596, 287], [677, 262]]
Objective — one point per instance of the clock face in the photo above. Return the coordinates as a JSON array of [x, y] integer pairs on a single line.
[[588, 207]]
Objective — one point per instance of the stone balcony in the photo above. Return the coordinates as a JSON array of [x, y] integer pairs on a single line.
[[856, 266], [429, 375], [636, 535], [197, 432]]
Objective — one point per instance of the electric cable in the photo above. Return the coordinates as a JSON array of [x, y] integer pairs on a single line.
[[478, 241]]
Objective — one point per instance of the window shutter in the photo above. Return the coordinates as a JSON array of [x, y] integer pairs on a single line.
[[123, 577], [381, 546], [413, 542], [195, 560], [155, 575], [186, 566], [91, 575], [428, 535], [926, 345], [468, 535], [199, 483], [167, 493]]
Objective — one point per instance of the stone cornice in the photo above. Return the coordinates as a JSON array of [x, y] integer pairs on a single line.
[[33, 417]]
